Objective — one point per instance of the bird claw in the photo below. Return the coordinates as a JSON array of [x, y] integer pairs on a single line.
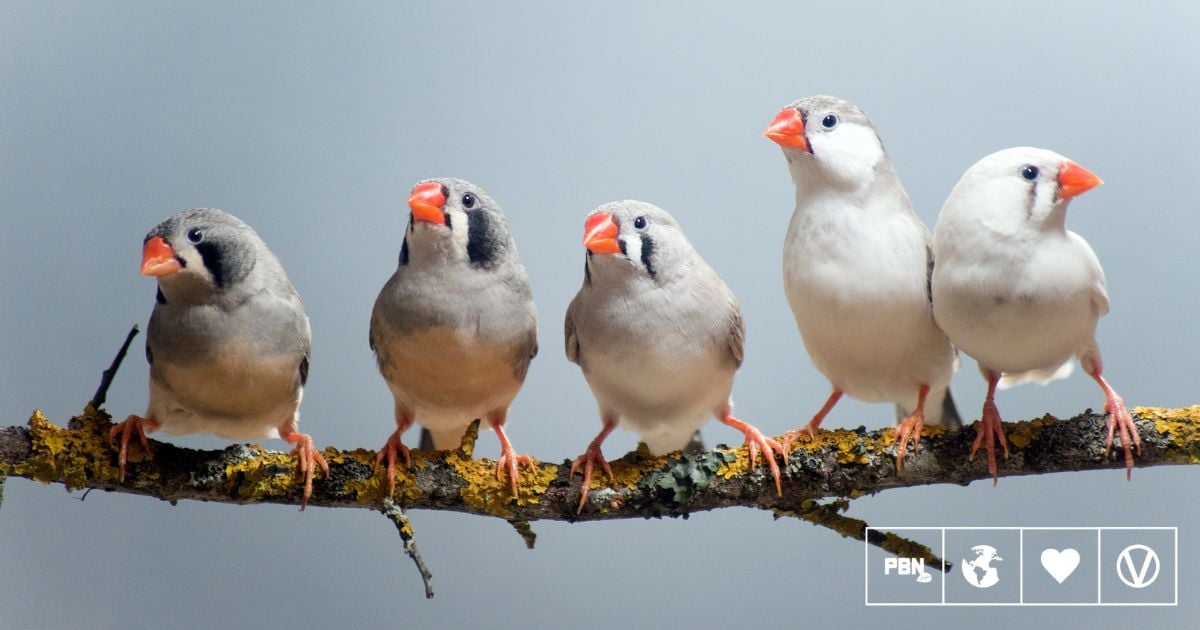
[[809, 432], [389, 452], [909, 427], [756, 441], [989, 427], [589, 459], [135, 425], [508, 461], [309, 458], [1119, 418]]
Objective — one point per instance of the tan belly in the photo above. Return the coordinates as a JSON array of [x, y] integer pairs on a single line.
[[439, 372]]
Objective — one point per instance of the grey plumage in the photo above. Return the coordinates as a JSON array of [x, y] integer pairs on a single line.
[[455, 328], [228, 341], [657, 334]]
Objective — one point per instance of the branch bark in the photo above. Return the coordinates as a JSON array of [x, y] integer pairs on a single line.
[[838, 464]]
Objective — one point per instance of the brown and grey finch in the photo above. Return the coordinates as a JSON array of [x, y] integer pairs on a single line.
[[856, 265], [658, 335], [455, 328], [1015, 289], [228, 341]]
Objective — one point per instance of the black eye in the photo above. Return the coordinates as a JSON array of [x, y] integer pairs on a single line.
[[1029, 172], [639, 223], [195, 235], [829, 121], [468, 200]]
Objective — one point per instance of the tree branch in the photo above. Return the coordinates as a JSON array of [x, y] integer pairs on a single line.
[[838, 464]]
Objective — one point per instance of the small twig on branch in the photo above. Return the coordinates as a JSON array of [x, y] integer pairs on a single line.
[[399, 518], [106, 378], [526, 531], [829, 515]]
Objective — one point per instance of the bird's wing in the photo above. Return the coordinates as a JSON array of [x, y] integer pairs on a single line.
[[570, 340], [1099, 289], [737, 334]]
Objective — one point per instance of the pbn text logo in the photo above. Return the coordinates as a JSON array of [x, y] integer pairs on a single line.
[[907, 566]]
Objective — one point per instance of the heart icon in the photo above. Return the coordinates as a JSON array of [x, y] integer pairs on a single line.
[[1060, 564]]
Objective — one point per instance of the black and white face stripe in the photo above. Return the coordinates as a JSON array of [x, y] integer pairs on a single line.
[[639, 248], [215, 261], [483, 237]]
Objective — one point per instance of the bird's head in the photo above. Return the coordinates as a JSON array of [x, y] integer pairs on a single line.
[[199, 252], [635, 239], [1022, 188], [455, 221], [830, 138]]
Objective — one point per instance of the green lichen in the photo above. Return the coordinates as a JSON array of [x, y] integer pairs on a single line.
[[685, 476]]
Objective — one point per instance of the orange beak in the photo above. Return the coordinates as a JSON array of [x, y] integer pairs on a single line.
[[158, 259], [1074, 180], [787, 130], [426, 202], [600, 234]]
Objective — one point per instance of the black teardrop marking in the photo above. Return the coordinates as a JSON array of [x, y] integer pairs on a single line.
[[159, 297], [304, 371], [929, 274], [647, 253], [482, 238], [404, 252], [149, 355], [214, 261], [587, 268]]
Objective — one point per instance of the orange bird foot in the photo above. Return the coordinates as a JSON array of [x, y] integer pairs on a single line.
[[309, 458], [133, 425], [389, 451]]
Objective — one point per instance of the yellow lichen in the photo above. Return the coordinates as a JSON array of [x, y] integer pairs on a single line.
[[492, 494], [259, 476], [374, 489], [1181, 426], [1021, 434], [72, 457], [852, 447]]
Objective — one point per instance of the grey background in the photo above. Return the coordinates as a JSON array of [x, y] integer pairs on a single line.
[[312, 123]]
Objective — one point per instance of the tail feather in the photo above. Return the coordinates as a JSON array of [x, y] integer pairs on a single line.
[[426, 443], [943, 412]]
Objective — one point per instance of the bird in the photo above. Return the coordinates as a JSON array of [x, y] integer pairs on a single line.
[[856, 265], [455, 327], [228, 341], [657, 334], [1016, 290]]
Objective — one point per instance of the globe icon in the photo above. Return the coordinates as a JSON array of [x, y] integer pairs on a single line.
[[979, 571]]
